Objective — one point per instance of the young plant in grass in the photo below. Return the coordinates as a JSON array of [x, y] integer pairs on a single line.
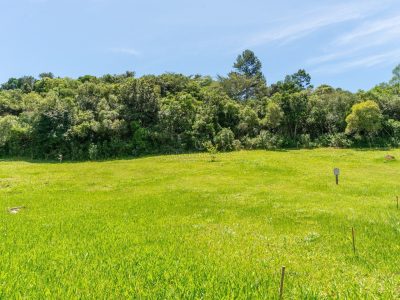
[[211, 150]]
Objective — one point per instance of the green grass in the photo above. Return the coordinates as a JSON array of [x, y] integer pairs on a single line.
[[183, 227]]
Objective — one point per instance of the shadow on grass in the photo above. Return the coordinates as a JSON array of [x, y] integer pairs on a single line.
[[153, 155], [373, 149], [66, 161]]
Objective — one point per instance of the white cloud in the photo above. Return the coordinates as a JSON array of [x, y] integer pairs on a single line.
[[384, 30], [330, 57], [385, 58], [312, 21], [358, 47]]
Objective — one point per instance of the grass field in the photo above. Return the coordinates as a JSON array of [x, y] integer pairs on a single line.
[[184, 227]]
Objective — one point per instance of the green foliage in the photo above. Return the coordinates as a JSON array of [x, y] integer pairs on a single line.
[[212, 150], [46, 75], [300, 80], [248, 64], [176, 117], [224, 140], [365, 118], [273, 116], [396, 76], [247, 81], [269, 141], [172, 113], [25, 84], [50, 126], [237, 145], [249, 122], [7, 125], [294, 107], [93, 152], [327, 111], [339, 140], [141, 100], [139, 138], [296, 82], [305, 141]]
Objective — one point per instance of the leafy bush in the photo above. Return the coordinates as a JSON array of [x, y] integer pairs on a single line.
[[211, 150], [365, 118], [269, 141], [93, 152], [305, 141], [237, 145], [339, 140], [224, 139], [250, 143]]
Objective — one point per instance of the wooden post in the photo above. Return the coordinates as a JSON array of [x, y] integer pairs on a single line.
[[354, 240], [282, 280], [337, 179]]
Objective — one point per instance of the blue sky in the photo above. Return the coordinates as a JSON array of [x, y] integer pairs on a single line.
[[349, 44]]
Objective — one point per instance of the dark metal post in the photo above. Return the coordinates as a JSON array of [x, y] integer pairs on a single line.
[[282, 280]]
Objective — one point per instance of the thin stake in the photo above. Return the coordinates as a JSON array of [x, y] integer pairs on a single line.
[[282, 280], [354, 240], [397, 202]]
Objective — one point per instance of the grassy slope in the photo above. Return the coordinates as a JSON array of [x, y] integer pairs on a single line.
[[181, 226]]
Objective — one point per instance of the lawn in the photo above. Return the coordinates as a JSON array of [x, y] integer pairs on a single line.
[[181, 226]]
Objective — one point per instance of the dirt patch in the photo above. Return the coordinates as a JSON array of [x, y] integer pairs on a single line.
[[390, 158], [15, 210]]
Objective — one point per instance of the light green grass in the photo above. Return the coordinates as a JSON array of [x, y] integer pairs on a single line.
[[183, 227]]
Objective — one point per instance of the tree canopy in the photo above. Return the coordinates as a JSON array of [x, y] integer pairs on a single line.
[[365, 118], [123, 115]]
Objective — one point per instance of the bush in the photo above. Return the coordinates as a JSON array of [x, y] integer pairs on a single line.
[[224, 139], [392, 127], [365, 118], [93, 152], [269, 141], [323, 140], [237, 145], [339, 140], [394, 142], [212, 150], [251, 143], [305, 141]]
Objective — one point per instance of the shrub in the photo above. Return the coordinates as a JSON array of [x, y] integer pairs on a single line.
[[339, 140], [365, 118], [93, 152], [269, 141], [237, 145], [251, 143], [323, 140], [224, 139], [305, 141], [212, 150]]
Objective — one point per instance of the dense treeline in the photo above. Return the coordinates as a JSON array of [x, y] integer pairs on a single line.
[[120, 115]]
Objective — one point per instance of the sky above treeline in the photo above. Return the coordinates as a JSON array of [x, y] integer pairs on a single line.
[[349, 44]]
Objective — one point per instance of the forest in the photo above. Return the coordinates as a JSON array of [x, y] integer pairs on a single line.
[[123, 115]]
